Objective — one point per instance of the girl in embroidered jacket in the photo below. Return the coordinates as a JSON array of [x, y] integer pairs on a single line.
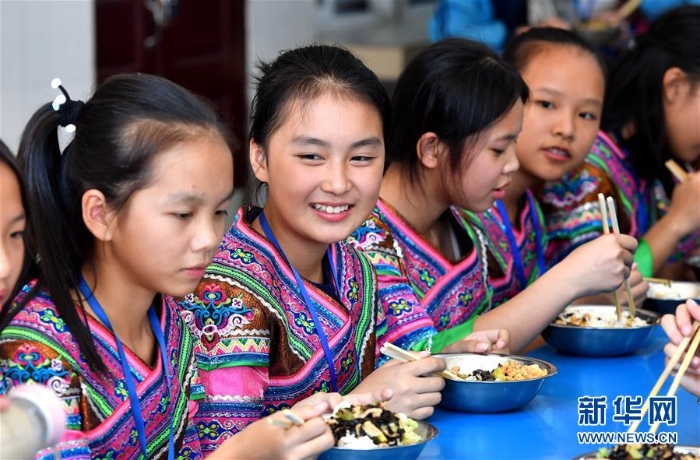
[[13, 218], [458, 109], [651, 115], [566, 77], [127, 215], [288, 309]]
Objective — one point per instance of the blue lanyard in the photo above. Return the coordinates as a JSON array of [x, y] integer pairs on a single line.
[[515, 251], [309, 305], [131, 387]]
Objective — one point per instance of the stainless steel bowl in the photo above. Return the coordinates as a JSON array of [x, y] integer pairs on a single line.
[[658, 295], [695, 450], [599, 341], [485, 397], [425, 430]]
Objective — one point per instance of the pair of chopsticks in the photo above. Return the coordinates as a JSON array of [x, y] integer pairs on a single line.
[[399, 354], [689, 353], [290, 419], [616, 228]]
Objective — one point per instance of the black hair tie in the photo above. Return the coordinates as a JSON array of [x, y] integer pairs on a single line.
[[68, 109]]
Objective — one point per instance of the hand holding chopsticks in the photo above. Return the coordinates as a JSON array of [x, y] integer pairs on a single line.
[[688, 345], [606, 205], [399, 354]]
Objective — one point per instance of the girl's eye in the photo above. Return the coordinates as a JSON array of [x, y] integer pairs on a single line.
[[222, 213], [588, 116], [310, 156], [182, 215], [545, 104], [17, 234], [498, 152], [362, 158]]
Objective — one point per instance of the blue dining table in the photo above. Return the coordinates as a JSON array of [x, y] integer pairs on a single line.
[[547, 427]]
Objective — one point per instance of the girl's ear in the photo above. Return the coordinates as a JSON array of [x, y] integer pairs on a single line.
[[430, 150], [673, 84], [98, 216], [258, 161]]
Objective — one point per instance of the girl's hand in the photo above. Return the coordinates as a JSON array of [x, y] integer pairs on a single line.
[[677, 327], [488, 341], [600, 265], [334, 399], [415, 389], [639, 290], [266, 439]]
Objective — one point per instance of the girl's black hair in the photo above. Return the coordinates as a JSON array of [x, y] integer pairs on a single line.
[[520, 50], [455, 88], [635, 88], [303, 74], [119, 132], [7, 158]]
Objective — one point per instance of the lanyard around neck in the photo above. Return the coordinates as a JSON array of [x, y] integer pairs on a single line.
[[515, 251], [130, 385], [305, 294]]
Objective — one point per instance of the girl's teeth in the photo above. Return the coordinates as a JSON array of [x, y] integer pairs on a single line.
[[331, 209]]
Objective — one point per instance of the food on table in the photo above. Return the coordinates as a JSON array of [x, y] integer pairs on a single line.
[[663, 292], [599, 319], [643, 451], [507, 371], [371, 426]]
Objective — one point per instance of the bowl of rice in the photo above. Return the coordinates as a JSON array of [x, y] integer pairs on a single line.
[[373, 432], [595, 330], [664, 298], [490, 382]]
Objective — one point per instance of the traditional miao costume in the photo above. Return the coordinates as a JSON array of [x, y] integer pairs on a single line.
[[516, 253], [571, 207], [37, 347], [422, 293], [260, 349]]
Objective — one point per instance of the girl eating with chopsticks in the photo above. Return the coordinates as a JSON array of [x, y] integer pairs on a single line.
[[651, 115], [457, 111], [288, 310], [566, 77]]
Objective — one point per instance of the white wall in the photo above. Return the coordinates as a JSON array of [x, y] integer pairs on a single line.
[[273, 26], [40, 40]]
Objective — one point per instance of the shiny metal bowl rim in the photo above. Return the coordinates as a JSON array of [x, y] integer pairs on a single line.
[[551, 368], [652, 314], [432, 434]]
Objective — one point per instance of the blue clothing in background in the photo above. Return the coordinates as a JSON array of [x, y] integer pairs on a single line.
[[473, 19], [654, 8]]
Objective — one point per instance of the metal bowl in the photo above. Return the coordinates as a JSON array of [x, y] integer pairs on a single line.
[[486, 397], [425, 430], [695, 450], [660, 296], [599, 341]]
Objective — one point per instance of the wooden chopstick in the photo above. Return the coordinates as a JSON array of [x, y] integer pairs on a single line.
[[678, 172], [665, 281], [628, 8], [291, 419], [394, 352], [606, 230], [669, 367], [616, 229]]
